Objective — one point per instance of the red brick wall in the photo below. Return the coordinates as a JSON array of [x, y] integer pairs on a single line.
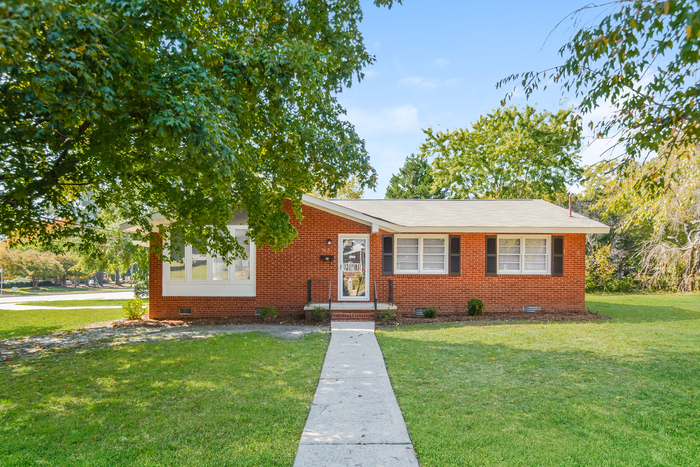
[[281, 277], [500, 293]]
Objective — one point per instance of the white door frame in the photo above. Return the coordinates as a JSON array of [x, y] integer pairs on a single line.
[[342, 237]]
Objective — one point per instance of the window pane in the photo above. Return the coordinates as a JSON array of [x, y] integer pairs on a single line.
[[177, 268], [199, 266], [535, 266], [242, 265], [407, 245], [509, 262], [433, 263], [509, 246], [536, 246], [407, 262], [220, 269]]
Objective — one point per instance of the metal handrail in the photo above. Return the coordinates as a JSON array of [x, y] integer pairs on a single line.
[[308, 291], [390, 283]]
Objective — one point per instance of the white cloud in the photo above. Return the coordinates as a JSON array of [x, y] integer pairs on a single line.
[[392, 120], [420, 82], [441, 63], [451, 82]]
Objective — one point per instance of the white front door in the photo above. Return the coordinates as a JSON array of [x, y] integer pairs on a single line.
[[353, 273]]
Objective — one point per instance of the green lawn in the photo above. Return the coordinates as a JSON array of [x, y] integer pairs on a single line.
[[50, 290], [58, 303], [237, 400], [619, 392], [15, 324]]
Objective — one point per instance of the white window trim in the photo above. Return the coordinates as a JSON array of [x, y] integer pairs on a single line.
[[522, 272], [210, 287], [420, 254]]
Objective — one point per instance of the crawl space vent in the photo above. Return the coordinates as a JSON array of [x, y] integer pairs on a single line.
[[185, 311], [532, 309], [418, 311]]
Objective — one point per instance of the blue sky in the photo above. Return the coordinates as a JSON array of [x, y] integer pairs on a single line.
[[437, 63]]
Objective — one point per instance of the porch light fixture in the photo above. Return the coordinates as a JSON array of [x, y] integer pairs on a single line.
[[329, 241]]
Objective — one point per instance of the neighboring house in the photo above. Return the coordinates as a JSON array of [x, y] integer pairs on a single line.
[[410, 254]]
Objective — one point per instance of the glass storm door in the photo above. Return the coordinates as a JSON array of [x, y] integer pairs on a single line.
[[354, 267]]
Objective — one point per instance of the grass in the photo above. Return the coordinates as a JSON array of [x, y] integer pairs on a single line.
[[619, 392], [50, 290], [15, 324], [237, 400], [59, 303]]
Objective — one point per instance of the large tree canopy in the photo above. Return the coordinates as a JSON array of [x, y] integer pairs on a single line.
[[414, 180], [510, 153], [192, 109], [641, 57]]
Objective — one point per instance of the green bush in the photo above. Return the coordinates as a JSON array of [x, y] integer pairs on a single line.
[[475, 307], [430, 312], [133, 309], [386, 316], [319, 314], [24, 282], [269, 312]]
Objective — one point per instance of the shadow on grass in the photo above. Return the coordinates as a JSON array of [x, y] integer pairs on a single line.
[[227, 400], [492, 403], [24, 331]]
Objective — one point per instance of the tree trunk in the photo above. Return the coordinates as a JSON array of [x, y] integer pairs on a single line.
[[116, 278], [35, 282], [100, 276]]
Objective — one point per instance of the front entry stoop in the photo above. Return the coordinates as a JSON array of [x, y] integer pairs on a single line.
[[352, 311], [352, 315]]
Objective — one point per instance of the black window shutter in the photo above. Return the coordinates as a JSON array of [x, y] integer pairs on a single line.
[[557, 256], [387, 255], [455, 250], [491, 256]]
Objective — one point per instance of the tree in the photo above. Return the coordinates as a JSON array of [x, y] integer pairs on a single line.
[[642, 58], [352, 189], [40, 265], [11, 264], [510, 153], [70, 267], [414, 181], [192, 109], [670, 255]]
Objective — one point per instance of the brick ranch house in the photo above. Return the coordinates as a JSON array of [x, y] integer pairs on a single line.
[[403, 255]]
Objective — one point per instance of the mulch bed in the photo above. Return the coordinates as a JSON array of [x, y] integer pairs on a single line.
[[146, 322], [400, 320], [404, 320]]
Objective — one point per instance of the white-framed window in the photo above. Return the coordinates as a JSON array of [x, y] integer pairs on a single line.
[[197, 274], [524, 254], [420, 254]]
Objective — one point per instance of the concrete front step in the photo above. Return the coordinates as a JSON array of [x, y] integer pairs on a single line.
[[352, 315]]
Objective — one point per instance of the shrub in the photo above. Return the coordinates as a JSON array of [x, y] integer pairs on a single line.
[[430, 312], [133, 309], [386, 316], [475, 307], [269, 312], [319, 314], [140, 286]]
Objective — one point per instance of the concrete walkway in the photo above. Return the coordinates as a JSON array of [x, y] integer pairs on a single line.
[[354, 418]]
